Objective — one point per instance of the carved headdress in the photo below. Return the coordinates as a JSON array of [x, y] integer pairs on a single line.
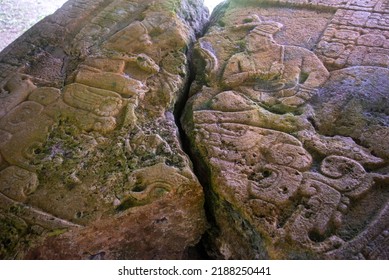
[[260, 27], [267, 28]]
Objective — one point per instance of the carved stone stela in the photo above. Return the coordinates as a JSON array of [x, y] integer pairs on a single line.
[[288, 119], [90, 160], [286, 125]]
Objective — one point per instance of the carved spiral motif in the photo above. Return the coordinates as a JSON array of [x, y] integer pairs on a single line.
[[291, 156], [338, 166]]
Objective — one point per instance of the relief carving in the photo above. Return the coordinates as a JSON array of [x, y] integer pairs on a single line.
[[87, 131], [151, 183], [272, 74], [262, 143], [287, 123], [355, 38], [14, 91], [17, 183]]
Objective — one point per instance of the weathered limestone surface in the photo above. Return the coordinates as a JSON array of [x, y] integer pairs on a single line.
[[90, 160], [288, 126]]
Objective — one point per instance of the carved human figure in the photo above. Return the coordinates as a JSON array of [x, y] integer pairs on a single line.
[[247, 129], [267, 83], [272, 74]]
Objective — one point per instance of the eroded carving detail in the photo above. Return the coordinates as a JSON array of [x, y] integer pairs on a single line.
[[257, 133], [17, 183], [104, 140], [278, 75], [148, 184], [260, 119], [14, 91], [356, 38]]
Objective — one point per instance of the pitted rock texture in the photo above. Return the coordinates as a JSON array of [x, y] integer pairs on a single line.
[[91, 165], [288, 126]]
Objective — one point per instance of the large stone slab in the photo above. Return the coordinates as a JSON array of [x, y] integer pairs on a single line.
[[91, 164], [288, 125]]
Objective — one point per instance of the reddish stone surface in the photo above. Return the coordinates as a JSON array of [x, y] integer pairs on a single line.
[[287, 123]]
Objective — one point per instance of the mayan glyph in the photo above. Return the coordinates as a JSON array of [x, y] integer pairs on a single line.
[[90, 157], [287, 122]]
